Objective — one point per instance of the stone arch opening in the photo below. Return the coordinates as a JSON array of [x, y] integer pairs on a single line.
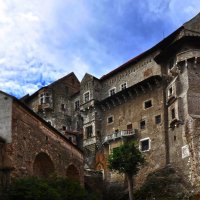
[[100, 168], [43, 166], [73, 173]]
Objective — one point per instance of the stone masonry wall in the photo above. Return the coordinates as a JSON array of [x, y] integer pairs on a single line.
[[31, 136]]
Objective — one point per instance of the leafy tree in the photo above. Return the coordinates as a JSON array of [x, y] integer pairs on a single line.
[[126, 159]]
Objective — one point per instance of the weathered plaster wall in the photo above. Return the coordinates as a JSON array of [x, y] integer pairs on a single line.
[[5, 118]]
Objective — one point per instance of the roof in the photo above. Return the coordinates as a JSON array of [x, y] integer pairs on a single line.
[[27, 96], [41, 120], [192, 24], [161, 45]]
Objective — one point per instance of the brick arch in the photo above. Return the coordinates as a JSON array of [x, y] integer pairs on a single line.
[[43, 165], [73, 173]]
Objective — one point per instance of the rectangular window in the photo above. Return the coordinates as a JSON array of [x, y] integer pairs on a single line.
[[142, 124], [158, 119], [44, 98], [147, 104], [129, 127], [77, 105], [88, 131], [86, 97], [145, 144], [173, 113], [110, 120], [62, 106], [112, 91], [123, 86], [170, 91]]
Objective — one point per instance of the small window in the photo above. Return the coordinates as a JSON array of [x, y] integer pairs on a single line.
[[47, 99], [77, 105], [123, 86], [145, 144], [86, 97], [64, 128], [70, 139], [173, 113], [142, 124], [112, 91], [110, 119], [158, 119], [147, 104], [44, 98], [62, 106], [129, 127], [170, 91], [174, 138], [88, 132]]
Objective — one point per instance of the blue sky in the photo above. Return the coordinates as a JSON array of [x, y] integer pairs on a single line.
[[41, 41]]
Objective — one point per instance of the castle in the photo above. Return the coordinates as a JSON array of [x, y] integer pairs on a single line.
[[153, 98]]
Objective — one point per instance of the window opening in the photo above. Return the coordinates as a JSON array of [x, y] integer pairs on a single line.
[[142, 124], [158, 119], [89, 132], [145, 145], [110, 120], [147, 104]]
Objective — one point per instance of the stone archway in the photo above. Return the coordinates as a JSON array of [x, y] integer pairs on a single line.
[[43, 166], [100, 168], [73, 173]]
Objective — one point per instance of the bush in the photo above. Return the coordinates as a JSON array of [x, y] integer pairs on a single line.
[[45, 189]]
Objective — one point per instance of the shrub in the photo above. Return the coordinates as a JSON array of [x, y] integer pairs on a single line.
[[45, 189]]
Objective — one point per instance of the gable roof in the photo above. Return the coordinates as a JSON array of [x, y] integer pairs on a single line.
[[27, 96], [40, 119]]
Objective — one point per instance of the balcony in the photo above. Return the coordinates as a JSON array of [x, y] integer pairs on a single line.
[[119, 134], [89, 141]]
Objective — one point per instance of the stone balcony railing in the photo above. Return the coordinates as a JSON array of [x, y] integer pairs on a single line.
[[89, 141], [185, 55], [119, 134]]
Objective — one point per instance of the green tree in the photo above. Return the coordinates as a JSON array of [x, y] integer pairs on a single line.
[[126, 159]]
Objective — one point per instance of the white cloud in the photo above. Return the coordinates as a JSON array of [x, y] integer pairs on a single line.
[[41, 41], [26, 59]]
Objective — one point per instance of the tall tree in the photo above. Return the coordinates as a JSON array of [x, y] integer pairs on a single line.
[[126, 159]]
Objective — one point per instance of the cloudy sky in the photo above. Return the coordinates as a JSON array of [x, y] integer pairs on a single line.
[[41, 41]]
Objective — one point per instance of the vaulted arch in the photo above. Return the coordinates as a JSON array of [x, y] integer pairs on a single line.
[[43, 165], [73, 173]]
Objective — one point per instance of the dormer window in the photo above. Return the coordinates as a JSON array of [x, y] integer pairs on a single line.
[[123, 86], [112, 91], [86, 97]]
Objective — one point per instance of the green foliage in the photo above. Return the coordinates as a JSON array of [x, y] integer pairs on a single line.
[[164, 184], [126, 159], [43, 189]]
